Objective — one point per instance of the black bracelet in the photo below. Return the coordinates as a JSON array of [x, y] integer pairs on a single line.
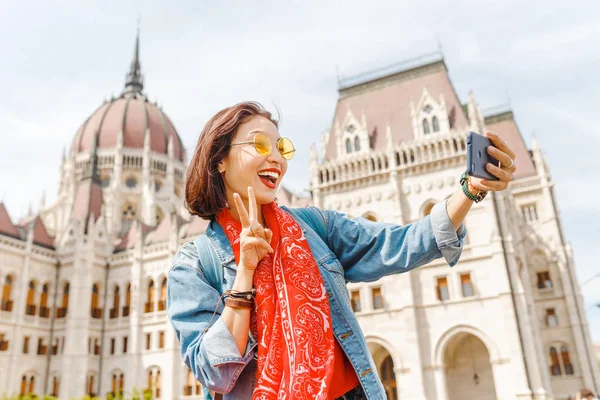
[[235, 294]]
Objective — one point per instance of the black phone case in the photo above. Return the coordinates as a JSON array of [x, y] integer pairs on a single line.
[[478, 157]]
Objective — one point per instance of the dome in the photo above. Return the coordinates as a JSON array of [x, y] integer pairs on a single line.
[[133, 114]]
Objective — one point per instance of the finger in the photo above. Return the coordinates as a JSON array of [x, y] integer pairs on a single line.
[[257, 229], [241, 209], [486, 185], [501, 156], [257, 242], [500, 144], [269, 234], [502, 174], [252, 205]]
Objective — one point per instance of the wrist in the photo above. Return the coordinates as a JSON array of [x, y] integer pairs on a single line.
[[243, 279], [469, 190], [472, 190]]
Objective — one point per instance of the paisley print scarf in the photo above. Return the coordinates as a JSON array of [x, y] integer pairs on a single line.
[[291, 317]]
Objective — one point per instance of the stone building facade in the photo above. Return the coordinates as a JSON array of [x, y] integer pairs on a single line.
[[508, 321], [83, 282]]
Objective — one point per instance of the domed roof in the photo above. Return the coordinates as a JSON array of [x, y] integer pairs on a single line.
[[133, 114]]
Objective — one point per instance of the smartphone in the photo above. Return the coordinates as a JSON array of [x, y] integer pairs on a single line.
[[478, 157]]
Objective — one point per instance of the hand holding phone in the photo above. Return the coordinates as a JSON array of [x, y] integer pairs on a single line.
[[478, 156]]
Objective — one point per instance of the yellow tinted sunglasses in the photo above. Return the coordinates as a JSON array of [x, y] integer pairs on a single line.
[[263, 145]]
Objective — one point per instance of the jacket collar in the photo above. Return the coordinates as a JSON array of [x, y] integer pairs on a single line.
[[220, 243]]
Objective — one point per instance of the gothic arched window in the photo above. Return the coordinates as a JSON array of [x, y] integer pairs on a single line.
[[44, 311], [30, 307], [114, 312], [566, 361], [6, 293], [61, 312], [127, 306], [150, 297], [162, 301], [348, 146], [95, 311], [554, 363], [356, 143], [388, 378], [425, 126], [435, 124]]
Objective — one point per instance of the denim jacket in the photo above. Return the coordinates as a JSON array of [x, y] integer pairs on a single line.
[[357, 250]]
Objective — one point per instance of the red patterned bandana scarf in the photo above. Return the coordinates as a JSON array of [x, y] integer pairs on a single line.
[[291, 319]]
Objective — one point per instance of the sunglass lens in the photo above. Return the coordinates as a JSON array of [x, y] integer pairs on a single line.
[[262, 144], [286, 148]]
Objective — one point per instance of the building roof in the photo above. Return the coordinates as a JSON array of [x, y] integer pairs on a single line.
[[136, 228], [6, 225], [170, 223], [505, 126], [385, 100], [41, 236], [132, 114], [88, 200]]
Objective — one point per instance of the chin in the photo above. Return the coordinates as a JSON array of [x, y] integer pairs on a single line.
[[265, 196], [265, 199]]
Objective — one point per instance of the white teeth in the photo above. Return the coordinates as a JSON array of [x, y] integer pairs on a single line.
[[269, 174]]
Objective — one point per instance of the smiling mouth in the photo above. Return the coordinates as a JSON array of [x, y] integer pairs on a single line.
[[269, 176]]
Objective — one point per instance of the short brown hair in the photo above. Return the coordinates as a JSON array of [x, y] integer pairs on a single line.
[[585, 393], [205, 192]]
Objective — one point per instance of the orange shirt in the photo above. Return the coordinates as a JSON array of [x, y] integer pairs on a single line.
[[344, 377]]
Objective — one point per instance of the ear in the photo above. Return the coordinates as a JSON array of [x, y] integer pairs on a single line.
[[221, 166]]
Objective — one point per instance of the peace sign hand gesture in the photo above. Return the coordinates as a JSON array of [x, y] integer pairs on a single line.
[[254, 239]]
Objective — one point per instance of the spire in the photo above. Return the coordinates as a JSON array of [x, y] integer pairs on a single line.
[[134, 81], [43, 201], [91, 171], [534, 143]]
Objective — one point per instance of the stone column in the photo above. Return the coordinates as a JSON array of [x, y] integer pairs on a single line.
[[440, 383], [19, 315]]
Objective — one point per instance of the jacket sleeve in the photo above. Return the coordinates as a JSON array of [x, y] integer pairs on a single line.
[[370, 250], [211, 354]]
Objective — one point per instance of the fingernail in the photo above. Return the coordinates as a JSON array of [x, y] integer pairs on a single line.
[[483, 181]]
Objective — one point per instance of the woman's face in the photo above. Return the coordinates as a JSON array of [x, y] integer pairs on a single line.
[[244, 167]]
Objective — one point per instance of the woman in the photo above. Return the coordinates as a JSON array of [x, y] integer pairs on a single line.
[[259, 302]]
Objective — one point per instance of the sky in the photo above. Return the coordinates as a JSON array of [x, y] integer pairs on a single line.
[[61, 59]]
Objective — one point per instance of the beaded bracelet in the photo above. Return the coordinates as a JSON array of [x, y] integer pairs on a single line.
[[465, 181]]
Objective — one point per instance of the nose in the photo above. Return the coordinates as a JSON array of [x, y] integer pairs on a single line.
[[275, 156]]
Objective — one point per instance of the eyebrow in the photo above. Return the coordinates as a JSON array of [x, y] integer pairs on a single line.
[[253, 131]]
